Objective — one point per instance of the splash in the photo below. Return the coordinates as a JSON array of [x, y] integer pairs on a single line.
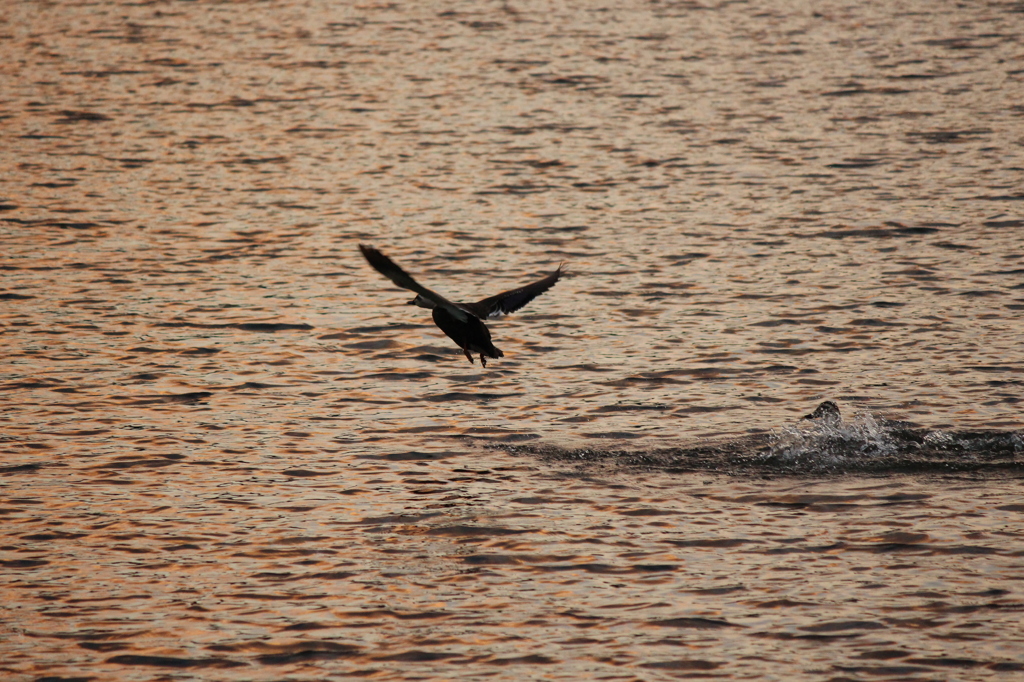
[[833, 444]]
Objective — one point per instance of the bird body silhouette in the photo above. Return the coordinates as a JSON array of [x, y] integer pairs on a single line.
[[462, 322]]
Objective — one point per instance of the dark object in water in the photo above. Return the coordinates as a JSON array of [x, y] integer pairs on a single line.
[[827, 411], [462, 322]]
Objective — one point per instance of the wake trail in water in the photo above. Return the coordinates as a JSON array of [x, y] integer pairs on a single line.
[[821, 444]]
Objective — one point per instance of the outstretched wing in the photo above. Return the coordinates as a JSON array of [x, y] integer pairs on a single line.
[[510, 301], [390, 269]]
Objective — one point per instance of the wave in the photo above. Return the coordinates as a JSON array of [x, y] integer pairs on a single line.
[[822, 443]]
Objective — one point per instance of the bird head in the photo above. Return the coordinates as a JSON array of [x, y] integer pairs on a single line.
[[422, 302]]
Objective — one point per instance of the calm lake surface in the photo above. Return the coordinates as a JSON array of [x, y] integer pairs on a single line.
[[230, 451]]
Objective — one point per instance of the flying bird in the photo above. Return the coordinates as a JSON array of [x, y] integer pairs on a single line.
[[462, 322]]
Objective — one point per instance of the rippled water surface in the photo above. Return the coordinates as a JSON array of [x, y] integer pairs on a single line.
[[230, 451]]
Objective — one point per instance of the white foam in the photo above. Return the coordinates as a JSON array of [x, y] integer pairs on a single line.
[[822, 443]]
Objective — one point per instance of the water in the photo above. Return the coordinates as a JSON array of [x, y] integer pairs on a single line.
[[231, 451]]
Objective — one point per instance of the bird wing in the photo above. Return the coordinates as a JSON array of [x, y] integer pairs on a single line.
[[510, 301], [390, 269]]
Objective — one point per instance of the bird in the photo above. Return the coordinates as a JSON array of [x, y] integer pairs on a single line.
[[462, 322], [827, 412]]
